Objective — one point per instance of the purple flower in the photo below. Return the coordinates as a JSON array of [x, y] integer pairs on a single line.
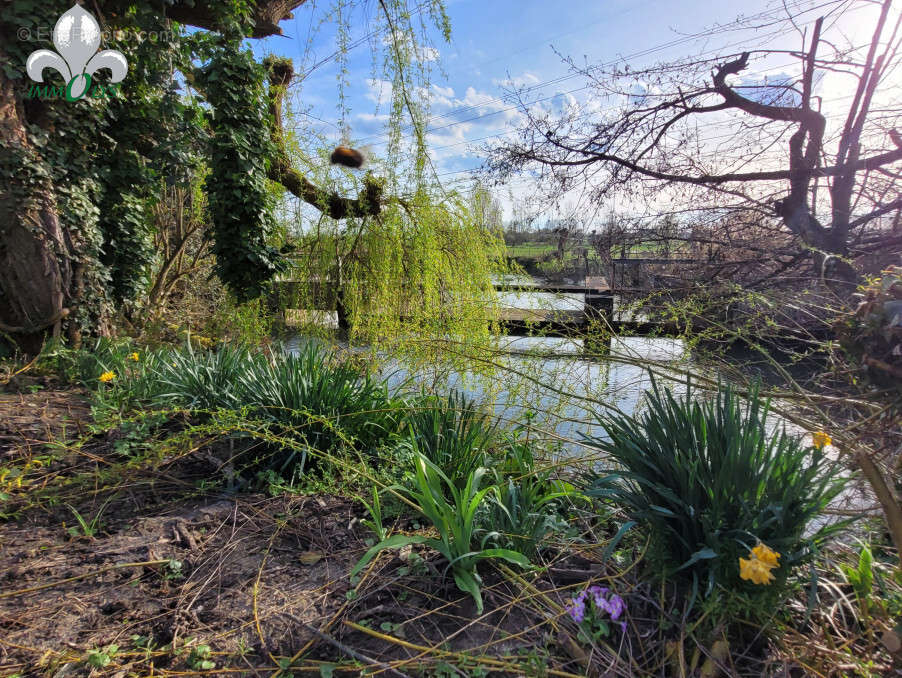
[[577, 607], [577, 610], [598, 594], [613, 605]]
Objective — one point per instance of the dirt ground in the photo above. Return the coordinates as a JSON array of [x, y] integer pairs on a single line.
[[187, 582]]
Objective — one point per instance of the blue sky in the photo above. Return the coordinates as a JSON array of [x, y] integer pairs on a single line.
[[499, 42]]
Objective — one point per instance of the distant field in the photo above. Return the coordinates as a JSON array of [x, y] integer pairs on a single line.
[[530, 250], [538, 250]]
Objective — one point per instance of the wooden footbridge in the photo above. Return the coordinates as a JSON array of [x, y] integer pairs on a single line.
[[597, 306]]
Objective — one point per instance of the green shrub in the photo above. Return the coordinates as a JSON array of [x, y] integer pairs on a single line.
[[308, 396], [456, 522], [523, 513], [524, 504], [114, 369], [326, 402], [453, 433], [84, 366], [708, 482], [201, 379]]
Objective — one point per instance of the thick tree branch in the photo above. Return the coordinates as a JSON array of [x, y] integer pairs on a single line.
[[759, 110], [879, 212], [369, 202], [266, 15], [772, 175]]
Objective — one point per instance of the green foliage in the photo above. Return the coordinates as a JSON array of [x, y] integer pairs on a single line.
[[708, 481], [128, 388], [375, 523], [861, 578], [98, 157], [101, 658], [196, 99], [308, 397], [87, 528], [199, 658], [872, 334], [525, 507], [173, 570], [240, 203], [453, 433], [202, 380], [125, 220], [327, 400], [456, 522]]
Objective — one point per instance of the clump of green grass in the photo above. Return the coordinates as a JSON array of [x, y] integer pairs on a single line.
[[327, 402], [308, 396], [453, 510], [453, 433], [525, 505], [201, 379], [708, 481]]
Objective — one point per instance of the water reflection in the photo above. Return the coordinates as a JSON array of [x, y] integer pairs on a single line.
[[550, 377]]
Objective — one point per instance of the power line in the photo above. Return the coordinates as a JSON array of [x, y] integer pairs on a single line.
[[570, 76], [651, 50], [355, 44], [459, 111]]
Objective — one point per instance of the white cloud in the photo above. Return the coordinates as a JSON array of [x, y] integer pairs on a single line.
[[372, 117], [447, 92], [429, 54], [378, 91], [525, 79]]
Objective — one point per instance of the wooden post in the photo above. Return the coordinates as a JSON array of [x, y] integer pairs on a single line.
[[599, 310], [341, 311]]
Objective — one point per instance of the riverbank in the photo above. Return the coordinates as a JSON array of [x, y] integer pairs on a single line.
[[171, 576], [146, 530]]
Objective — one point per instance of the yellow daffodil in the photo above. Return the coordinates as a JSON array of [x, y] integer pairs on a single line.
[[134, 356], [757, 568], [107, 377], [755, 571], [766, 555], [820, 439]]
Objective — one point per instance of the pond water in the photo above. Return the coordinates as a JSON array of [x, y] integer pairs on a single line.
[[564, 387], [551, 377]]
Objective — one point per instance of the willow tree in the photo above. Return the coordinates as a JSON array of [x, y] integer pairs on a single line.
[[77, 173]]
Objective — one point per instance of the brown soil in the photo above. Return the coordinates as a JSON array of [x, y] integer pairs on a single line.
[[258, 579], [29, 420]]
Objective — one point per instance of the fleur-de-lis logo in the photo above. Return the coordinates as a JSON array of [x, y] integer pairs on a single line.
[[76, 37]]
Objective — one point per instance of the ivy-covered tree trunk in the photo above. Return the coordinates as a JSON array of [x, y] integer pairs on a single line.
[[77, 177], [35, 270]]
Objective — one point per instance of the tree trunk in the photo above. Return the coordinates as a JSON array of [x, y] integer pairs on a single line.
[[35, 273]]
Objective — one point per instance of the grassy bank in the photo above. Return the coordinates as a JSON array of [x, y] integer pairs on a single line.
[[184, 511]]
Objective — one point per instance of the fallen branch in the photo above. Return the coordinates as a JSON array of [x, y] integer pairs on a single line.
[[344, 648]]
